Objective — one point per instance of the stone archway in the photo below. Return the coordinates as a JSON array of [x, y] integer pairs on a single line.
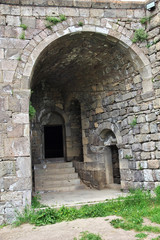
[[138, 63]]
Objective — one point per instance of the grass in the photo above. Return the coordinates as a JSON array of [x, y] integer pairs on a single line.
[[23, 26], [54, 20], [140, 35], [134, 122], [132, 209], [22, 36], [88, 236], [141, 235], [32, 111], [144, 20]]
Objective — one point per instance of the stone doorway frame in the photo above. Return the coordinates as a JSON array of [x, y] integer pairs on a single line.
[[107, 154]]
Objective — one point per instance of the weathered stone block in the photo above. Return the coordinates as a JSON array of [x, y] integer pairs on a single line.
[[141, 119], [96, 13], [138, 176], [145, 155], [156, 103], [26, 11], [24, 167], [1, 53], [17, 146], [13, 21], [9, 65], [157, 175], [151, 117], [145, 128], [149, 146], [158, 46], [15, 130], [4, 117], [136, 147], [39, 11], [148, 175], [20, 118], [153, 128], [149, 185], [29, 21], [8, 76], [153, 164]]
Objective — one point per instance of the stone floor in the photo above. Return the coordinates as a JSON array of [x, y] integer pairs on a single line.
[[78, 197]]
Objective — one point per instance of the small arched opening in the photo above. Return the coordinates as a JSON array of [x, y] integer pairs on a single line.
[[111, 157]]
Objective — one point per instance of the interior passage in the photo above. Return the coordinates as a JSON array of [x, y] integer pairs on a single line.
[[53, 136]]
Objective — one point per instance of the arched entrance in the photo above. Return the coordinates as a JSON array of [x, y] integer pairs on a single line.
[[76, 66]]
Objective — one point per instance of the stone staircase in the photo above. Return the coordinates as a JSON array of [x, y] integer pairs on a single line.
[[56, 177]]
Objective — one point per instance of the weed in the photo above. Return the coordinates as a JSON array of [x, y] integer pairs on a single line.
[[141, 235], [62, 18], [157, 192], [140, 167], [22, 36], [144, 20], [134, 122], [128, 157], [89, 236], [157, 238], [23, 26], [36, 202], [140, 35], [3, 225], [19, 58], [49, 26], [32, 111], [151, 44], [53, 21], [80, 24]]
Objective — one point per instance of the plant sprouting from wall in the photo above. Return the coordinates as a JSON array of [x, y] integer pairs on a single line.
[[32, 111], [128, 157], [80, 24], [22, 36], [140, 35], [134, 122], [23, 26], [54, 20], [144, 20]]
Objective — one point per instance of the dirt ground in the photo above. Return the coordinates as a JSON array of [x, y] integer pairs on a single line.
[[69, 230]]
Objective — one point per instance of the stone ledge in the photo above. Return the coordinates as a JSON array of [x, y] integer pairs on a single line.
[[107, 4]]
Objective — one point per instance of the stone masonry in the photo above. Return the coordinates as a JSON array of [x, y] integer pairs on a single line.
[[87, 75]]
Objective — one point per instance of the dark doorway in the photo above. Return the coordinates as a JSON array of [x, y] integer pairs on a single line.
[[115, 162], [53, 137]]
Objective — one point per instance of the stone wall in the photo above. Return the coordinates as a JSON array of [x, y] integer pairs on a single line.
[[121, 94]]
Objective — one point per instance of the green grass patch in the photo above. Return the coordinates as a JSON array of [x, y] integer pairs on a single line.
[[132, 209], [141, 235], [140, 35], [88, 236], [22, 36], [23, 26], [54, 20]]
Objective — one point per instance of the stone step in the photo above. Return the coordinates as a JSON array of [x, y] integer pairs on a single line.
[[60, 183], [56, 171], [55, 165], [57, 176], [60, 189]]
